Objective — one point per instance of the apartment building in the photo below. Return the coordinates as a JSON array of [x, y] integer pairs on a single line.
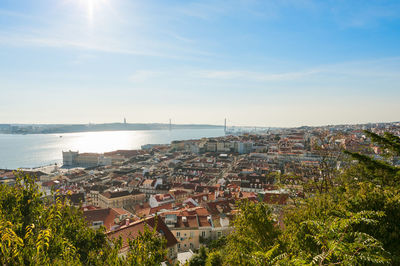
[[120, 199]]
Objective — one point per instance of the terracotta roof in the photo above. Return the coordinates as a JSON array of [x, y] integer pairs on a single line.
[[133, 183], [200, 211], [223, 206], [124, 153], [275, 198], [159, 208], [49, 183], [148, 182], [203, 221], [106, 215], [191, 222], [163, 197], [121, 211], [147, 210], [179, 192], [89, 207], [132, 230], [203, 197]]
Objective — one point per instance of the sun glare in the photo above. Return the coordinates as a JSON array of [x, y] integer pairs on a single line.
[[92, 7]]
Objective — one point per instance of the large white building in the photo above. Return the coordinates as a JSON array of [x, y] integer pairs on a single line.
[[74, 158], [69, 157]]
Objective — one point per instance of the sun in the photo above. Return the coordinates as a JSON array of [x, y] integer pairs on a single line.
[[89, 9], [92, 7]]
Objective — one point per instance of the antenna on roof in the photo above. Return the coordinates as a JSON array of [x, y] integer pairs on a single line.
[[225, 126]]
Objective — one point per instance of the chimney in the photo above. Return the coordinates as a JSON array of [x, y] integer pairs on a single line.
[[127, 222]]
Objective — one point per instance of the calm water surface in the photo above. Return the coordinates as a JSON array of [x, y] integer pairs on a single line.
[[43, 149]]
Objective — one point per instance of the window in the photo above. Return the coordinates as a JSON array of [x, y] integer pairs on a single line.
[[203, 234], [178, 233], [179, 245], [185, 234], [191, 234]]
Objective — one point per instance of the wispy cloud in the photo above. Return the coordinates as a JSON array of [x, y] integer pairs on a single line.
[[253, 76], [271, 9], [96, 45], [130, 36], [378, 68], [358, 75], [144, 75], [10, 13], [180, 37], [82, 58]]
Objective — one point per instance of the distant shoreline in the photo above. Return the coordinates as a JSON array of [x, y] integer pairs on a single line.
[[25, 129]]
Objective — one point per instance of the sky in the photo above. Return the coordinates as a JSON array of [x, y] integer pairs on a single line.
[[278, 63]]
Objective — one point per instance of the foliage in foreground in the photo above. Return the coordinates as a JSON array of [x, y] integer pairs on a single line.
[[35, 231]]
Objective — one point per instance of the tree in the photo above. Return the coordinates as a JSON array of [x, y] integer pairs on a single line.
[[35, 231], [214, 259], [149, 248], [200, 258], [254, 235], [331, 237], [356, 221], [373, 185]]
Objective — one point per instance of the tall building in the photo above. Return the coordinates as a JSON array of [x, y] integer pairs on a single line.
[[69, 157]]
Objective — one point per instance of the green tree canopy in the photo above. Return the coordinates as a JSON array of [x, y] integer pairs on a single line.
[[36, 231]]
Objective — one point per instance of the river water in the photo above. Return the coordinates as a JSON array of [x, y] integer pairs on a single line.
[[34, 150]]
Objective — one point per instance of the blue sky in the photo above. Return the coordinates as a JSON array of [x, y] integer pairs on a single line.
[[264, 63]]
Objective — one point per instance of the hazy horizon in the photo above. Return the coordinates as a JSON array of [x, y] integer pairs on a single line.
[[214, 125], [257, 63]]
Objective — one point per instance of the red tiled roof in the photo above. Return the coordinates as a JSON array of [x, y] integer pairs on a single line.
[[179, 192], [106, 215], [124, 153], [148, 182], [159, 208], [163, 197], [224, 206], [203, 221], [147, 210], [200, 211], [274, 198], [191, 222], [132, 230]]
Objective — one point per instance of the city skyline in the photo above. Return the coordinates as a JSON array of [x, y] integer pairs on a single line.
[[276, 63]]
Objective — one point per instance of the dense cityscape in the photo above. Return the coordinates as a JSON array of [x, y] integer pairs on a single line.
[[199, 132], [194, 185]]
